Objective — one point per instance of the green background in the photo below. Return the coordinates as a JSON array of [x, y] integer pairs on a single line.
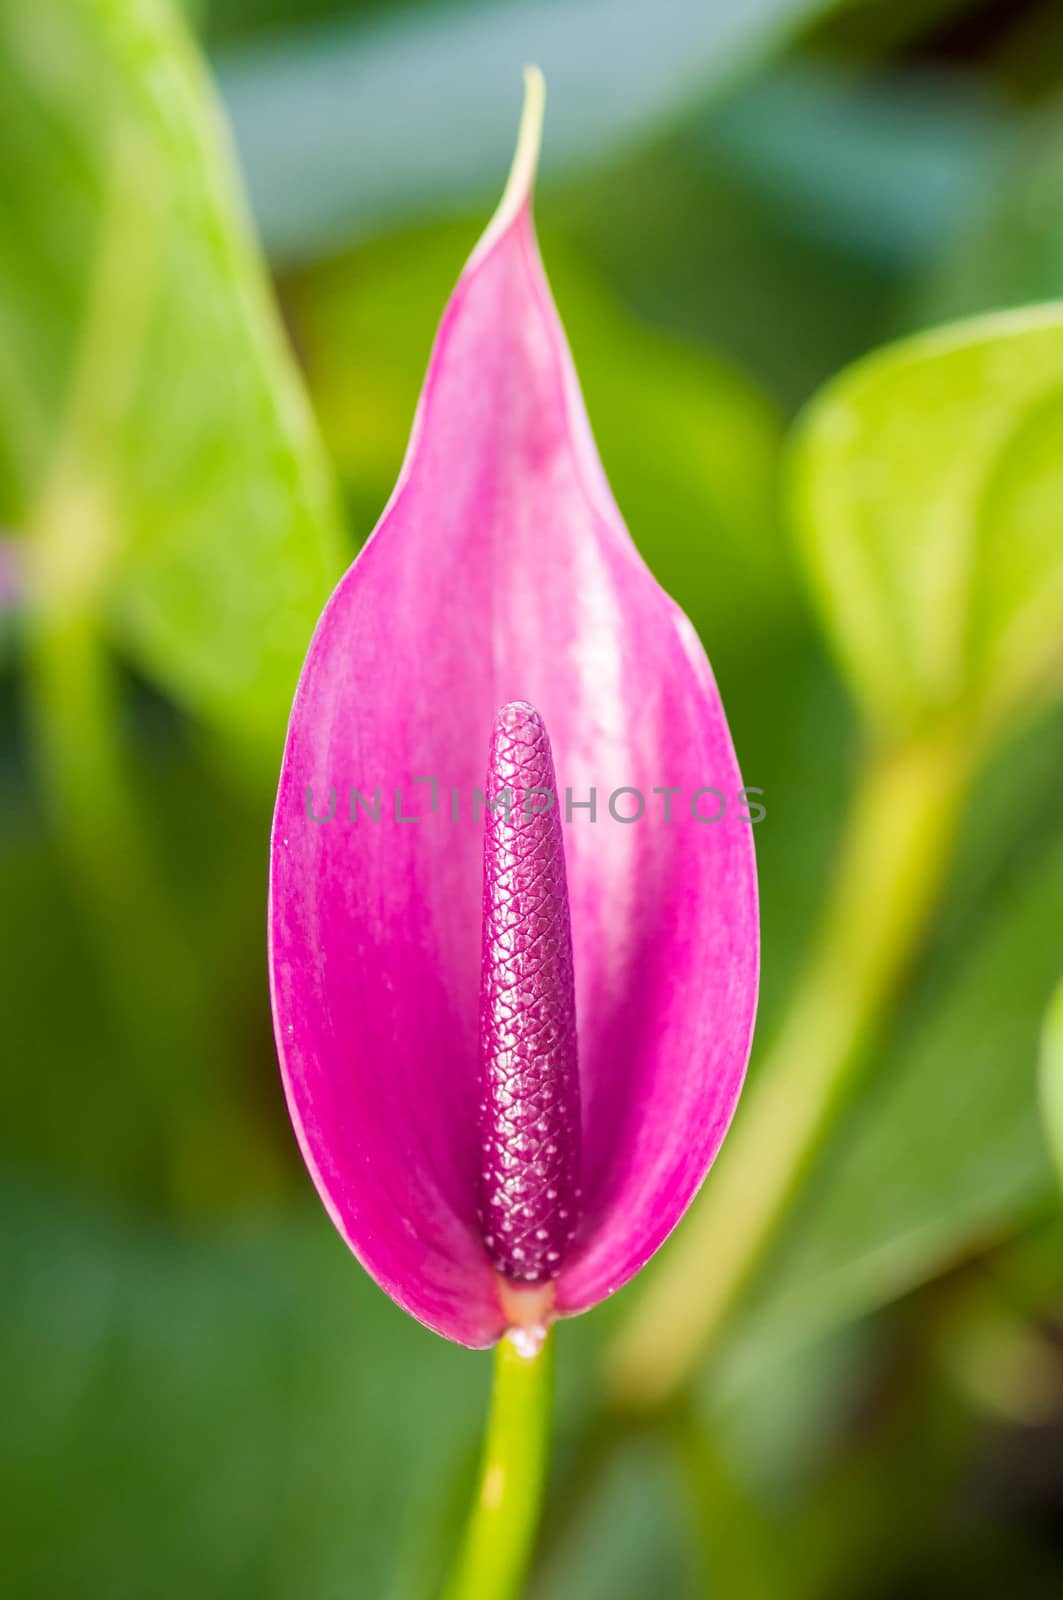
[[204, 401]]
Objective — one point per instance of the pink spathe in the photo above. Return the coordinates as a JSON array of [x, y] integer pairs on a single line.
[[501, 571]]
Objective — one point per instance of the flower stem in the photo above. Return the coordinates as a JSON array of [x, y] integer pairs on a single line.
[[497, 1544], [892, 863]]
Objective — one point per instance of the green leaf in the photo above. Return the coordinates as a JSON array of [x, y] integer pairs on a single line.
[[243, 1415], [926, 483], [943, 1152], [629, 1539], [1013, 252], [141, 1026], [155, 443], [1052, 1078], [882, 168]]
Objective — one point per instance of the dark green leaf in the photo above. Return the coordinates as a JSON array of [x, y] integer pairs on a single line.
[[158, 449]]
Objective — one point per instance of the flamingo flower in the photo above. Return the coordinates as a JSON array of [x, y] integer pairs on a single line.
[[513, 911]]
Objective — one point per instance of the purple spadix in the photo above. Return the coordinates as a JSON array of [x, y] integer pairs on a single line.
[[529, 1114]]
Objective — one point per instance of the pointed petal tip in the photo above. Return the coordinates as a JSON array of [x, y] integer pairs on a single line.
[[665, 915], [516, 197]]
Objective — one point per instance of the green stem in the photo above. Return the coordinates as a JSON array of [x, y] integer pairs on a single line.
[[497, 1545], [892, 863]]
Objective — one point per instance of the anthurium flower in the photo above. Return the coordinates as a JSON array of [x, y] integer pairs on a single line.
[[513, 914]]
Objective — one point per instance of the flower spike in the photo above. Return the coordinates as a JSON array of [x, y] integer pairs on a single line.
[[529, 1115]]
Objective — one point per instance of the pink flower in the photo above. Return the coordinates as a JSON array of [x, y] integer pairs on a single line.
[[538, 1014]]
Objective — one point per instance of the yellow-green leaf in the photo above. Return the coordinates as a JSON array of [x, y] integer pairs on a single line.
[[1052, 1078], [155, 444], [927, 495]]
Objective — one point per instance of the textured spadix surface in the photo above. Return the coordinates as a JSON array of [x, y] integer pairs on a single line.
[[529, 1112], [501, 571]]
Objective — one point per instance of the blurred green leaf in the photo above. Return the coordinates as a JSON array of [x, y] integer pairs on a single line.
[[869, 32], [339, 127], [734, 1544], [145, 1068], [944, 1151], [156, 445], [693, 249], [926, 489], [235, 19], [53, 1104], [886, 167], [1052, 1078], [1028, 57], [628, 1543], [1014, 253], [239, 1416]]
